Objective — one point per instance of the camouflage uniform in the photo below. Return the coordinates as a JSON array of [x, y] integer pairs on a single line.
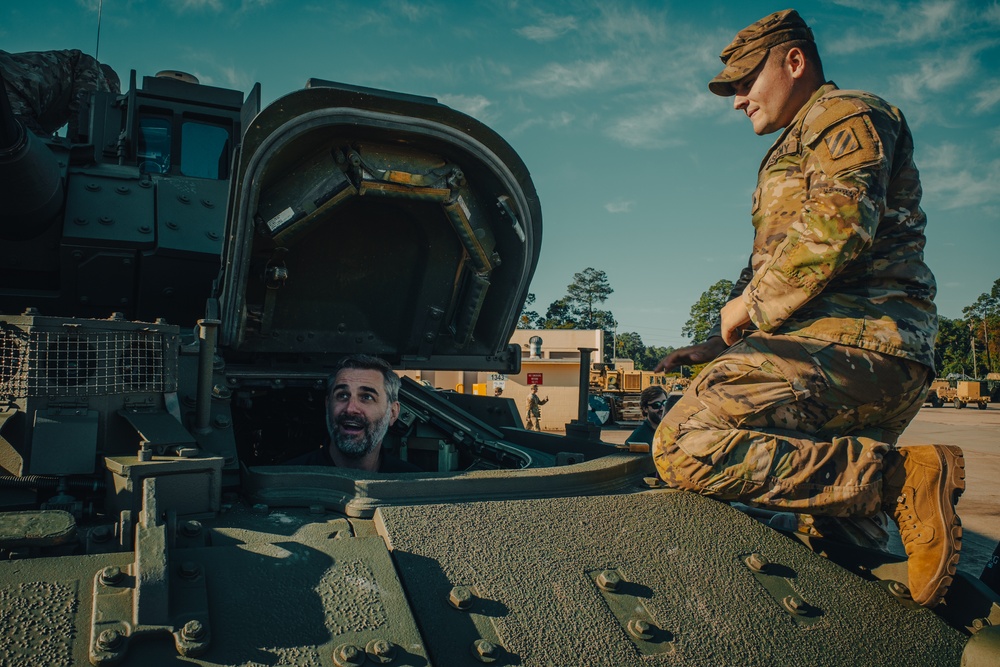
[[47, 89], [533, 412], [799, 414]]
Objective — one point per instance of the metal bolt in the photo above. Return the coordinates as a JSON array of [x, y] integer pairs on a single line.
[[106, 220], [381, 651], [757, 562], [189, 570], [192, 631], [609, 580], [111, 575], [796, 605], [980, 623], [484, 650], [899, 589], [109, 640], [348, 655], [191, 528], [640, 629], [460, 597]]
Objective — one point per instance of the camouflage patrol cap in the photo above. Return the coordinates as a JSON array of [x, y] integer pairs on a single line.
[[752, 45]]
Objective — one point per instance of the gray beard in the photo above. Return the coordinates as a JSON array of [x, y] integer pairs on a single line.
[[356, 447]]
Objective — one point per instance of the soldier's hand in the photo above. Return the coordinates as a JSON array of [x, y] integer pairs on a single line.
[[735, 319], [692, 354]]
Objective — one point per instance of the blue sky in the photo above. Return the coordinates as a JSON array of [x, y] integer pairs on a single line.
[[641, 172]]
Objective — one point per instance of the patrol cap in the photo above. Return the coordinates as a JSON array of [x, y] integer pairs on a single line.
[[752, 45]]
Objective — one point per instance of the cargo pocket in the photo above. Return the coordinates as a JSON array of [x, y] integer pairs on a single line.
[[743, 389]]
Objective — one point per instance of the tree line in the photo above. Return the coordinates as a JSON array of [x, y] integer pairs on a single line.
[[581, 308], [965, 347]]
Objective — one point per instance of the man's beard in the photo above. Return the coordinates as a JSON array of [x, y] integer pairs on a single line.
[[357, 446]]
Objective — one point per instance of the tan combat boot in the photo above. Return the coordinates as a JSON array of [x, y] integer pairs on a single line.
[[920, 487]]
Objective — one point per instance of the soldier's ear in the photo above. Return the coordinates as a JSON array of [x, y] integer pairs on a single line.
[[796, 63]]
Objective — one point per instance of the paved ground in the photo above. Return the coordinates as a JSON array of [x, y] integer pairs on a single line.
[[977, 432]]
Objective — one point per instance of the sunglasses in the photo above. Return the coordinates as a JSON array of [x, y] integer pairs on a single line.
[[658, 405]]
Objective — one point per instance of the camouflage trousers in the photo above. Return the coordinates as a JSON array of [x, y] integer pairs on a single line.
[[790, 423]]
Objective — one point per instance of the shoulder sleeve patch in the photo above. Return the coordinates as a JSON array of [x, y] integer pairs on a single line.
[[847, 145], [829, 112]]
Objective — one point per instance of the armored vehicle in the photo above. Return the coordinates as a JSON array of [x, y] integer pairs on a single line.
[[176, 284]]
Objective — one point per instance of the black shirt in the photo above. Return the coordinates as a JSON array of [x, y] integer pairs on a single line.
[[642, 434]]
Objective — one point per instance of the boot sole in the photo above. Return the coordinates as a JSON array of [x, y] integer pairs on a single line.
[[952, 486]]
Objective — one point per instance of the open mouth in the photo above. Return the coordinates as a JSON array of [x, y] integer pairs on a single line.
[[352, 425]]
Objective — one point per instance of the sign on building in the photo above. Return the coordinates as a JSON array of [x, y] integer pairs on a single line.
[[499, 380], [534, 378]]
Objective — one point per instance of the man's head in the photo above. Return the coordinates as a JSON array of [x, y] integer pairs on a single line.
[[361, 405], [534, 389], [653, 403], [772, 68], [498, 391]]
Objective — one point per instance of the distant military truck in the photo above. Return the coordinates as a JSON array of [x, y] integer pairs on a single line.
[[959, 394], [968, 392]]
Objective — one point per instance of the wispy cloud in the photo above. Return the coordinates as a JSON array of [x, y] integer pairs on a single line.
[[618, 207], [988, 97], [930, 23], [557, 79], [617, 23], [198, 5], [650, 126], [548, 27], [476, 106], [953, 178], [411, 11], [936, 73], [551, 121], [211, 72]]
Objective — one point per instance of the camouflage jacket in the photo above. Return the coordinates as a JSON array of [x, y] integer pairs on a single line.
[[46, 89], [839, 240]]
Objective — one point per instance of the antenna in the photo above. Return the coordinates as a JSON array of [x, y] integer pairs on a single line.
[[100, 9]]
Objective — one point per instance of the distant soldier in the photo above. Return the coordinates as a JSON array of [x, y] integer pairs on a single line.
[[533, 411], [47, 89], [653, 403]]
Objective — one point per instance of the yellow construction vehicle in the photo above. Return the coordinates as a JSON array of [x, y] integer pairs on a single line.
[[621, 386]]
